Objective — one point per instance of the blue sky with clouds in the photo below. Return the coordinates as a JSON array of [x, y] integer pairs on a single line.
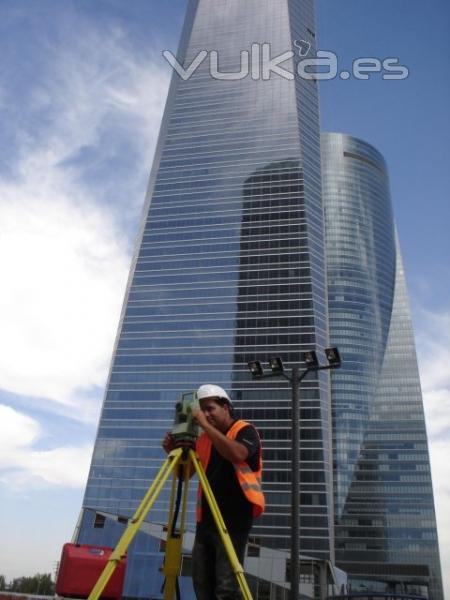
[[82, 89]]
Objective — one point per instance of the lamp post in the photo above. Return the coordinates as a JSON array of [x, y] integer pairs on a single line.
[[297, 375]]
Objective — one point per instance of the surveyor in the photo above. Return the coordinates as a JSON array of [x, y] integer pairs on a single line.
[[230, 452]]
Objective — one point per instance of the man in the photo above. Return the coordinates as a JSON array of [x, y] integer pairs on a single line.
[[230, 452]]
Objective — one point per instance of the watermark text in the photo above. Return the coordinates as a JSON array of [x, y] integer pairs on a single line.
[[260, 64]]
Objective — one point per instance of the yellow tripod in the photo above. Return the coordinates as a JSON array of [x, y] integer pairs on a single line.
[[186, 459]]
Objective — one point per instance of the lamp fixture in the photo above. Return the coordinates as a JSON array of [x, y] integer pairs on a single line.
[[310, 358], [333, 357], [255, 369], [276, 364]]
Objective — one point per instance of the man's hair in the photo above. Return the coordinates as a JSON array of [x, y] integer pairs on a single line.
[[224, 402]]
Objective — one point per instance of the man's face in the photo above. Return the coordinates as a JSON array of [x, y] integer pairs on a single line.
[[217, 415]]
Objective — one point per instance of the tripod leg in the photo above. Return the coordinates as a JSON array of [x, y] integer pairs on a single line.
[[221, 528], [133, 526], [172, 559]]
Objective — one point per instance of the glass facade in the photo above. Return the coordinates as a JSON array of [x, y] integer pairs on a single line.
[[229, 267], [385, 528]]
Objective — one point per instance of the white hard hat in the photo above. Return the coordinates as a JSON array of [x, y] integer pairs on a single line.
[[209, 390]]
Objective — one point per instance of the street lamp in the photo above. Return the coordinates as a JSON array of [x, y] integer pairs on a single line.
[[297, 375]]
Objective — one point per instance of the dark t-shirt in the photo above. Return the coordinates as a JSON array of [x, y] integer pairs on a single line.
[[235, 508]]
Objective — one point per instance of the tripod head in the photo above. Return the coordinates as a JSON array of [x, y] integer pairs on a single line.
[[185, 429]]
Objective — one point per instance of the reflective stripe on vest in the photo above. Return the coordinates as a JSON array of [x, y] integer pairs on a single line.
[[250, 481]]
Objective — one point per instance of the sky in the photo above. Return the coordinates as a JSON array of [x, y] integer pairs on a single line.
[[82, 90]]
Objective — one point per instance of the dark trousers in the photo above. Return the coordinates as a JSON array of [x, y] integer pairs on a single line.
[[212, 574]]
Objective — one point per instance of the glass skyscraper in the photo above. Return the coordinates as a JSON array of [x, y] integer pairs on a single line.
[[385, 525], [229, 267]]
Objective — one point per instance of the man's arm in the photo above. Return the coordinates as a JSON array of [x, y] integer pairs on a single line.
[[229, 449]]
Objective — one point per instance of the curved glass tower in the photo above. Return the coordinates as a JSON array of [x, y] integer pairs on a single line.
[[385, 526], [229, 267]]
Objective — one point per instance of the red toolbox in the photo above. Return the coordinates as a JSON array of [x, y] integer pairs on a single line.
[[81, 566]]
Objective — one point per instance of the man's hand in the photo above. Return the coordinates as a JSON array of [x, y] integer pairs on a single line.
[[199, 416], [168, 442]]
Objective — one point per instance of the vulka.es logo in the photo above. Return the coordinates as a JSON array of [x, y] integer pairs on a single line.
[[259, 64]]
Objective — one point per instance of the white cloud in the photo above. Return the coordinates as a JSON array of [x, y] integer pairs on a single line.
[[17, 431], [64, 255], [22, 466], [63, 273]]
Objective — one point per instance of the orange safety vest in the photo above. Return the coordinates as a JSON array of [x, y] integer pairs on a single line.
[[250, 481]]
